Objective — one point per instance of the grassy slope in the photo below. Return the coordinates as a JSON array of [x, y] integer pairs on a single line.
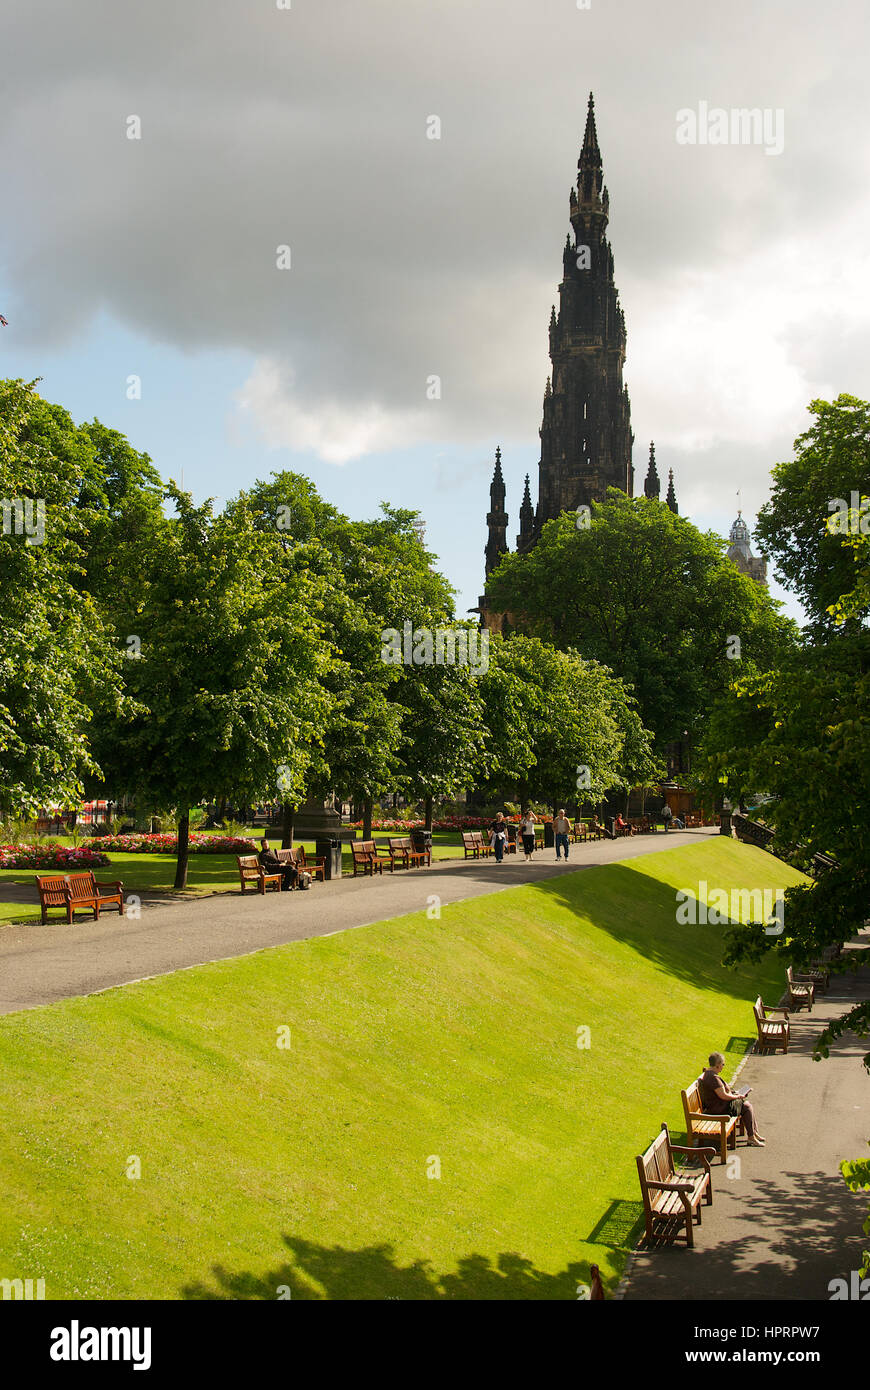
[[410, 1039]]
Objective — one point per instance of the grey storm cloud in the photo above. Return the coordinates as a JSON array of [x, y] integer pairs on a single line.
[[412, 257]]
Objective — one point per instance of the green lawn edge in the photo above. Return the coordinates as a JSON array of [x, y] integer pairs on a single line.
[[416, 1044]]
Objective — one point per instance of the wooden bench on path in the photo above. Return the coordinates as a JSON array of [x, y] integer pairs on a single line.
[[772, 1034], [252, 872], [801, 992], [79, 892], [400, 848], [671, 1199], [315, 867], [718, 1129], [367, 858], [475, 846]]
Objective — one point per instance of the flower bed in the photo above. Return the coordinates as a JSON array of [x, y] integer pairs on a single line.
[[50, 856], [454, 823], [168, 844]]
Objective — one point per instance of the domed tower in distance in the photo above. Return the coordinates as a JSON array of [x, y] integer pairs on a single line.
[[740, 551]]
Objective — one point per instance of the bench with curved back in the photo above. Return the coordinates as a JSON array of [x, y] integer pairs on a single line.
[[720, 1130], [401, 849], [367, 858], [252, 874], [772, 1033], [297, 856], [79, 892], [672, 1198], [801, 991]]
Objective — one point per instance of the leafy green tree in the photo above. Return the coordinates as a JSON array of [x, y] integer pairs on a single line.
[[831, 462], [372, 576], [553, 720], [442, 748], [649, 596], [224, 669], [800, 731], [54, 652]]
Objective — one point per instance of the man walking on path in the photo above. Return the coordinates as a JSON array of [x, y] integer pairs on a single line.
[[666, 816], [560, 830]]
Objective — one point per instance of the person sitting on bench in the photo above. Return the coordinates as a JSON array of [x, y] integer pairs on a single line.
[[719, 1099], [273, 865]]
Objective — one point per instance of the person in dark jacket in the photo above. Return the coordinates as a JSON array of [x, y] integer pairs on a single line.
[[498, 836], [273, 865]]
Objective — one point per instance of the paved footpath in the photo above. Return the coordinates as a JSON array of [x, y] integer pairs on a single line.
[[787, 1225], [39, 964]]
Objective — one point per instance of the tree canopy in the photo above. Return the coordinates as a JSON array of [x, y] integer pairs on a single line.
[[648, 595]]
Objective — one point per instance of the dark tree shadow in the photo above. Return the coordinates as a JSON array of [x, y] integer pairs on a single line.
[[799, 1233], [319, 1272]]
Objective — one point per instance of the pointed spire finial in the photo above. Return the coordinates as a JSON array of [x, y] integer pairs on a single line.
[[652, 485], [671, 497]]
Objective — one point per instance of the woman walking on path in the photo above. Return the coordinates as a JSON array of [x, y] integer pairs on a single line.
[[528, 833], [498, 836]]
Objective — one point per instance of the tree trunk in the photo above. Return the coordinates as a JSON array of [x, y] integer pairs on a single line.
[[287, 813], [183, 850], [428, 805], [367, 818]]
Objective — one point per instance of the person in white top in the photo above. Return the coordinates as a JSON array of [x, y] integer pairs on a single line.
[[528, 832]]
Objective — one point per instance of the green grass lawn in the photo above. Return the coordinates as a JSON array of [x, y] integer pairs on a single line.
[[417, 1046], [207, 873]]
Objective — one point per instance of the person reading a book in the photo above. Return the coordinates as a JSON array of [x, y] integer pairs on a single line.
[[719, 1099]]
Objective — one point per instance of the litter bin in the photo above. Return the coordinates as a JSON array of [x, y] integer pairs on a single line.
[[421, 841], [329, 850], [549, 835]]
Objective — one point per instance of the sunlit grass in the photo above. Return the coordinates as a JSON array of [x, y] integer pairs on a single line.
[[416, 1045]]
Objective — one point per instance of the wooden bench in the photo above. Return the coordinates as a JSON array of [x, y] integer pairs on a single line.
[[79, 892], [801, 993], [252, 872], [772, 1034], [315, 867], [474, 845], [671, 1200], [400, 848], [721, 1129], [367, 858]]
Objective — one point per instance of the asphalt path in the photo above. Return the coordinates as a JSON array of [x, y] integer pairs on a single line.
[[40, 964], [783, 1224]]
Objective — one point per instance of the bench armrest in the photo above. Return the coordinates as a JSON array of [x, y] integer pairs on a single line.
[[674, 1186], [701, 1115], [770, 1009], [113, 883]]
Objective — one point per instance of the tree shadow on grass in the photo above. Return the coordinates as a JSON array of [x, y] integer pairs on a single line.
[[641, 912], [319, 1272]]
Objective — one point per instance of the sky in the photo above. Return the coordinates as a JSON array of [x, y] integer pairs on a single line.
[[744, 271]]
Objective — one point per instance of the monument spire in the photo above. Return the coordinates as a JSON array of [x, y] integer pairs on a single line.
[[671, 497], [652, 484], [527, 519], [585, 432], [497, 517]]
